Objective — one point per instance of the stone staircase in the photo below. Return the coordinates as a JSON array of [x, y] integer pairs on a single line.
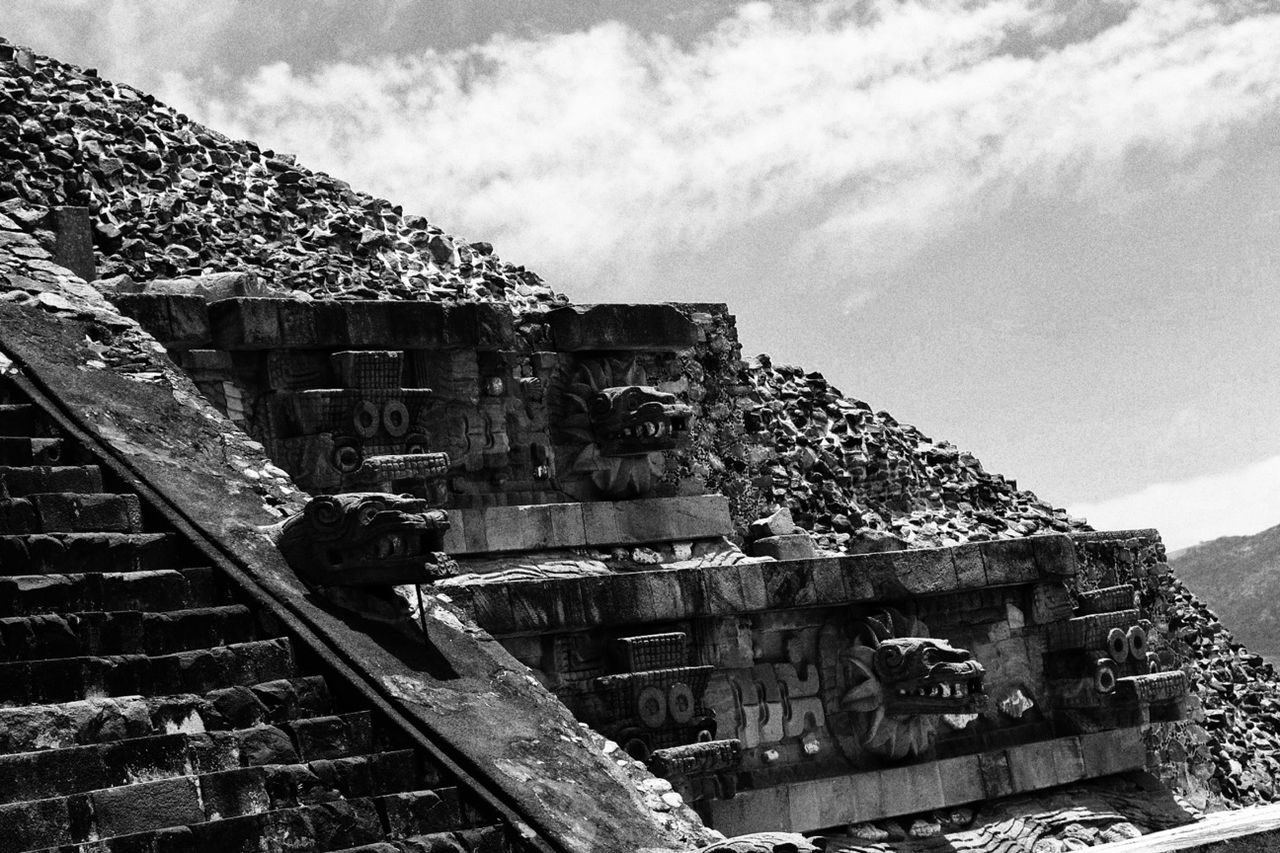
[[143, 709]]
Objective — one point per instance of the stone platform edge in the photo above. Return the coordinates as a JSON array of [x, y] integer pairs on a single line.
[[536, 527], [893, 791], [568, 604]]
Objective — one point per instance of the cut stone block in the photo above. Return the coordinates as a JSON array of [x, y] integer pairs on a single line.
[[1010, 561], [533, 527], [231, 793], [73, 240], [245, 323], [621, 327], [993, 769], [961, 780], [395, 325], [480, 326], [1113, 751], [417, 812], [1032, 767], [574, 525], [1054, 555], [149, 805], [971, 571], [78, 513], [924, 571], [751, 811], [188, 323], [664, 519], [789, 584], [24, 481]]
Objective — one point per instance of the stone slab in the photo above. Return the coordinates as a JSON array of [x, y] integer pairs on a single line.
[[247, 323], [148, 805], [177, 321], [909, 789], [971, 571], [1012, 561], [395, 325], [961, 779], [576, 525], [1112, 751], [745, 588], [73, 240], [924, 571], [264, 322], [621, 327], [1031, 767], [1055, 556], [752, 811], [805, 801]]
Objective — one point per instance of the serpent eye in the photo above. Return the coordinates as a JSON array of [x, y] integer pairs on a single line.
[[891, 656], [325, 511], [600, 406], [368, 512]]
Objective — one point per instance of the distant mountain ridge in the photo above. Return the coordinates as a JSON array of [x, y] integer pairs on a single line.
[[1239, 578]]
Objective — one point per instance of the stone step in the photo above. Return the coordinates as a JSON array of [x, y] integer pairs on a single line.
[[26, 451], [123, 632], [330, 737], [70, 512], [168, 589], [380, 789], [370, 775], [413, 813], [23, 419], [129, 811], [59, 553], [51, 773], [67, 679], [335, 825], [21, 481], [82, 722], [481, 839]]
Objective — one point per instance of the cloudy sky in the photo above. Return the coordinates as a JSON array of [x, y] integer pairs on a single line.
[[1047, 231]]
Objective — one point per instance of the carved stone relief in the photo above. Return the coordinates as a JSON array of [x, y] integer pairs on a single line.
[[611, 428]]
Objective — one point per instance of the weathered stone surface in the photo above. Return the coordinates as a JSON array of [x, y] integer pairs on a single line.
[[858, 479], [621, 327], [794, 546], [576, 525], [210, 287], [225, 206], [73, 240], [461, 705], [148, 805], [537, 602], [866, 480]]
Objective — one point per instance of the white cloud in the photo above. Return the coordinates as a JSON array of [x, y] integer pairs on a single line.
[[856, 137], [1234, 503]]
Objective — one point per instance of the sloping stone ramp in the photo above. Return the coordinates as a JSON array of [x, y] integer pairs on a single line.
[[144, 710]]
